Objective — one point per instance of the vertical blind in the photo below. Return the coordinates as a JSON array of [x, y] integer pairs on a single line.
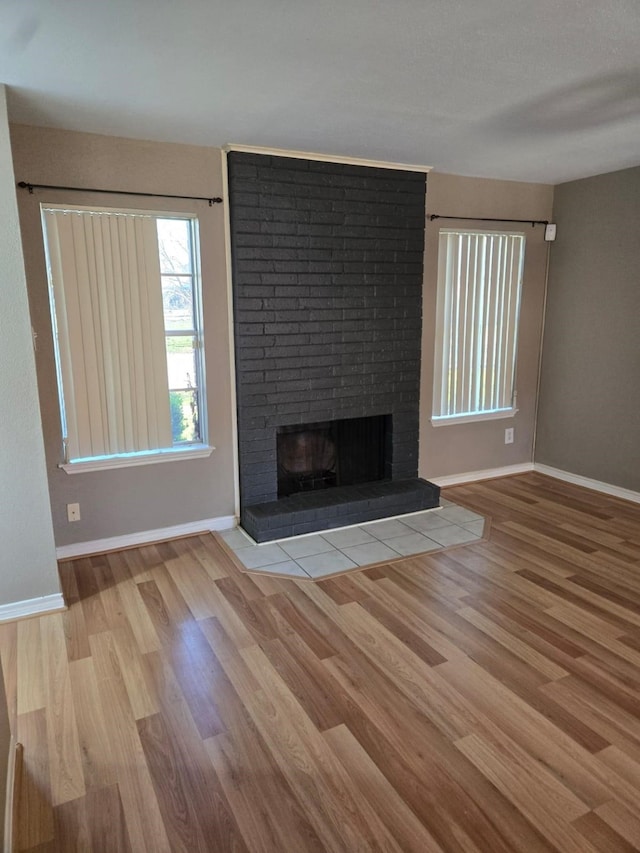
[[107, 302], [479, 283]]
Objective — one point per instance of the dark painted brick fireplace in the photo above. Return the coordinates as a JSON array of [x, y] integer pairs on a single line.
[[327, 299]]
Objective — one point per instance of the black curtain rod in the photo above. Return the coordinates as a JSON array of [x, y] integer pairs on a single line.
[[490, 219], [25, 185]]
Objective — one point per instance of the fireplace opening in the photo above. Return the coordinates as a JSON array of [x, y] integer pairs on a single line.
[[332, 453]]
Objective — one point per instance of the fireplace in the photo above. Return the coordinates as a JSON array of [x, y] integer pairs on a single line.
[[327, 311], [331, 453]]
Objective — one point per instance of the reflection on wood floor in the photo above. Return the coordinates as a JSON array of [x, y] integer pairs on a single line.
[[481, 699]]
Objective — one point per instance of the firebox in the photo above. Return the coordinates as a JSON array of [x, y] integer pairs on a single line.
[[331, 453]]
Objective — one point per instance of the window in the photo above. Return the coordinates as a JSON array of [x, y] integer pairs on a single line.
[[479, 284], [124, 289]]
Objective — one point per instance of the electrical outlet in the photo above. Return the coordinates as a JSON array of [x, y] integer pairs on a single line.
[[508, 436], [73, 512]]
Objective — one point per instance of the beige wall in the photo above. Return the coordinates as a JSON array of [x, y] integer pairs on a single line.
[[460, 448], [27, 556], [123, 501], [589, 416], [119, 502]]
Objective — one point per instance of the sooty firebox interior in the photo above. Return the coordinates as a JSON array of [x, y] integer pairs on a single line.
[[331, 453]]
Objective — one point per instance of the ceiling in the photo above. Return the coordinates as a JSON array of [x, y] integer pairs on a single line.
[[541, 91]]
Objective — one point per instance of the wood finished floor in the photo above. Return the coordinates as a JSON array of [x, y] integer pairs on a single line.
[[481, 699]]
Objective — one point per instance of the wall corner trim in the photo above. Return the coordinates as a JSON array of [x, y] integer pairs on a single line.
[[484, 474], [588, 483], [144, 537], [32, 607], [14, 776]]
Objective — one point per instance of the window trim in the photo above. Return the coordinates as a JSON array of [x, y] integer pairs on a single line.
[[472, 417], [139, 457], [199, 449], [197, 332], [490, 414]]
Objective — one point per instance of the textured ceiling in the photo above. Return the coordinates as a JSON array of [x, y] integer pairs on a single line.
[[542, 91]]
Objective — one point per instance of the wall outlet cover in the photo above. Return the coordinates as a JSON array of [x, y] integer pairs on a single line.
[[73, 512]]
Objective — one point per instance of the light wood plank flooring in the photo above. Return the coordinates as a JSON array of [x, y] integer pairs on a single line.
[[480, 699]]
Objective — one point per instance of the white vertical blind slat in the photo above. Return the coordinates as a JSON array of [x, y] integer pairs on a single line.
[[469, 373], [460, 326], [480, 308], [111, 352], [499, 323], [455, 328], [464, 355], [84, 360], [512, 325], [504, 319], [448, 383], [98, 288], [136, 355]]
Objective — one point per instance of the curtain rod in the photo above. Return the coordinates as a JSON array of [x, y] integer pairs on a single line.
[[25, 185], [490, 219]]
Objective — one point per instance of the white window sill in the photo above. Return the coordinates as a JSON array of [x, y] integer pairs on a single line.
[[129, 460], [449, 420]]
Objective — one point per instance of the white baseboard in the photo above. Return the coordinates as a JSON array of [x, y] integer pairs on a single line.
[[32, 607], [144, 537], [485, 474], [508, 470], [588, 483]]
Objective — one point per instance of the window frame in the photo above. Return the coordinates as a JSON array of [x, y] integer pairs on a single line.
[[477, 415], [179, 450], [197, 333]]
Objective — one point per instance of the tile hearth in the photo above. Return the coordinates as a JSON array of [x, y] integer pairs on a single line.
[[335, 551]]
